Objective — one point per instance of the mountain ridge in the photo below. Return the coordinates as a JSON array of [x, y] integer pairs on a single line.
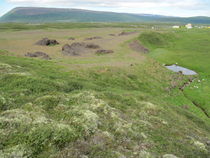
[[43, 15]]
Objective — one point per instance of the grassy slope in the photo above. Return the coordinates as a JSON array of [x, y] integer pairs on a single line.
[[43, 15], [191, 49], [47, 110], [67, 15]]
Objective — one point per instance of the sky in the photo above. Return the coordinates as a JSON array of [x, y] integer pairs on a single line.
[[183, 8]]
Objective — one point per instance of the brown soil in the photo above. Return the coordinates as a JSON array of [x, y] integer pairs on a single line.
[[92, 38], [92, 46], [136, 46], [71, 38], [47, 42], [102, 51], [126, 33], [78, 48], [38, 54]]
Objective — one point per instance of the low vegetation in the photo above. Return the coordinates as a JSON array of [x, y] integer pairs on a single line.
[[157, 40], [104, 111], [75, 25], [188, 48]]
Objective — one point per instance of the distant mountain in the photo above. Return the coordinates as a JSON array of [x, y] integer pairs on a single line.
[[43, 15]]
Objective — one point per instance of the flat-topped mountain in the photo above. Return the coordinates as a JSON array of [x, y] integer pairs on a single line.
[[42, 15]]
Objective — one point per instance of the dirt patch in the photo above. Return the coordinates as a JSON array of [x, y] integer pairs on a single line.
[[126, 33], [184, 85], [47, 42], [78, 48], [136, 46], [71, 38], [73, 49], [103, 51], [92, 46], [112, 34], [39, 55], [92, 38]]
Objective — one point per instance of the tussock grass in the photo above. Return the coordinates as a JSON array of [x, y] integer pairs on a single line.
[[97, 112]]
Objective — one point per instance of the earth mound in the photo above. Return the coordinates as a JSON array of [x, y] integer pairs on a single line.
[[92, 38], [47, 42], [71, 38], [103, 51], [38, 54], [136, 46], [78, 48], [126, 33], [92, 46]]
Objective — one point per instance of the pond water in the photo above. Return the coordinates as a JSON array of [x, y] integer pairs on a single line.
[[184, 71]]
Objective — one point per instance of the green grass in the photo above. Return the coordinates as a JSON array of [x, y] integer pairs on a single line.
[[50, 110], [72, 25], [191, 49], [106, 112], [156, 39], [58, 15]]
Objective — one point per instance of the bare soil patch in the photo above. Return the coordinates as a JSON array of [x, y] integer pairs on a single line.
[[71, 38], [92, 46], [78, 48], [126, 33], [136, 46], [47, 42], [92, 38], [103, 51], [39, 55]]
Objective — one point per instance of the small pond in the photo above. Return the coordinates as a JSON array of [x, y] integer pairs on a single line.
[[184, 71]]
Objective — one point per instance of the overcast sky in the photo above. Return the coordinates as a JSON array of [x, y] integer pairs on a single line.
[[162, 7]]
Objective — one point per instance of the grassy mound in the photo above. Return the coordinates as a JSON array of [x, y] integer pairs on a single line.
[[156, 39], [47, 111]]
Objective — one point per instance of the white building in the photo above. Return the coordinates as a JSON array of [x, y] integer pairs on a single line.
[[189, 26]]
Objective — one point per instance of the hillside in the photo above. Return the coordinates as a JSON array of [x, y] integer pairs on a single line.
[[67, 15], [120, 105], [184, 51], [43, 15]]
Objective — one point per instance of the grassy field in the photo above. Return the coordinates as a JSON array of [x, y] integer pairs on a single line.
[[124, 104], [48, 26], [188, 48]]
